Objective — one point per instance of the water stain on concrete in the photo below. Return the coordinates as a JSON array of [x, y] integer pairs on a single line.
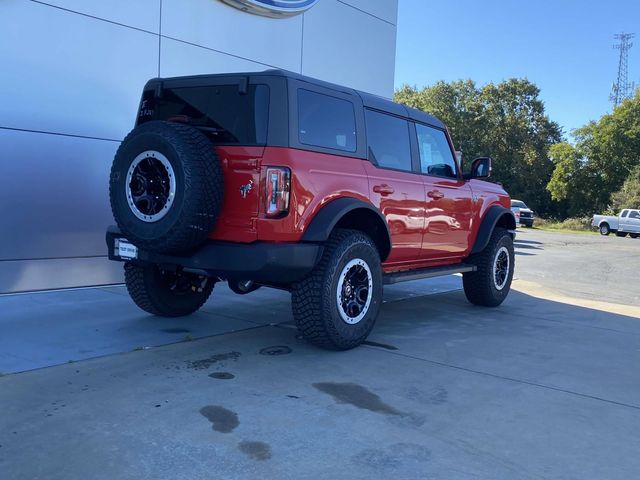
[[205, 363], [256, 450], [222, 375], [222, 419], [393, 456], [356, 395]]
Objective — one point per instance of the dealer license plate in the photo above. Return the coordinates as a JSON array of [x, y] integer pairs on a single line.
[[126, 250]]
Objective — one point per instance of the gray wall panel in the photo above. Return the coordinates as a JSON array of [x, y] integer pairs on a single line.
[[178, 58], [63, 71], [70, 73], [356, 50], [216, 25], [384, 9], [56, 202], [58, 273], [144, 14]]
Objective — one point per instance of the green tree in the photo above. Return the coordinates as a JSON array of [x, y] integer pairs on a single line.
[[629, 195], [606, 154]]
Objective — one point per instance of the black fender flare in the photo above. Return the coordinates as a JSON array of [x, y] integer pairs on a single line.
[[330, 215], [494, 215]]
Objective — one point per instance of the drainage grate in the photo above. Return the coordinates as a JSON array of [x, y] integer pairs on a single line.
[[275, 351]]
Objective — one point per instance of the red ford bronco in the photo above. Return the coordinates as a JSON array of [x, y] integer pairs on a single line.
[[279, 180]]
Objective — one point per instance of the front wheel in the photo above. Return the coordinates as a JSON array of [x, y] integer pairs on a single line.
[[621, 234], [634, 235], [166, 293], [490, 284], [336, 305]]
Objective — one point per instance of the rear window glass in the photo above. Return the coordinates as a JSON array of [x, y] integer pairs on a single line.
[[222, 112], [325, 121]]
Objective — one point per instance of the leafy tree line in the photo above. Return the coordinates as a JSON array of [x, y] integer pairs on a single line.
[[507, 121], [601, 171]]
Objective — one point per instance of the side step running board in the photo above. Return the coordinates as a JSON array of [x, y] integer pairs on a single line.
[[397, 277]]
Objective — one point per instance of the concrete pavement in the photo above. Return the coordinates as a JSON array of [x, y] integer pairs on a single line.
[[534, 389]]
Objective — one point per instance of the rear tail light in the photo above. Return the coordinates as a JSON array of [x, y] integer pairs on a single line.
[[277, 191]]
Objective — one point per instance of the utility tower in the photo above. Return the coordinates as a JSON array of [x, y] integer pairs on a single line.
[[622, 88]]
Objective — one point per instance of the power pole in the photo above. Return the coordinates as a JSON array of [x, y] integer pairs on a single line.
[[622, 88]]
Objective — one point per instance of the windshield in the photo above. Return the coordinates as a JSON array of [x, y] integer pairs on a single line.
[[518, 203]]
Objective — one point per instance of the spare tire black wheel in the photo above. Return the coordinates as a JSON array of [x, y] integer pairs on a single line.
[[166, 187]]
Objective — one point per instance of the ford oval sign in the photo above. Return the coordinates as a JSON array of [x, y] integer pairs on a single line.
[[273, 8]]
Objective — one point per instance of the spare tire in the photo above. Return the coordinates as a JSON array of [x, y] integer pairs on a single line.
[[166, 187]]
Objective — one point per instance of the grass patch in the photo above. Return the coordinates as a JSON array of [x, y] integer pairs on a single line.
[[576, 225]]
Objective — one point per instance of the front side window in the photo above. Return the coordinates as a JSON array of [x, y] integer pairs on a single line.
[[634, 214], [388, 139], [325, 121], [436, 157]]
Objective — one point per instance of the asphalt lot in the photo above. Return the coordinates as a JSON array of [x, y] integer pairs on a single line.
[[545, 386]]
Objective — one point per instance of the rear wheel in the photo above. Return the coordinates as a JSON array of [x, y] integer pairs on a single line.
[[165, 293], [336, 306], [604, 229], [490, 284]]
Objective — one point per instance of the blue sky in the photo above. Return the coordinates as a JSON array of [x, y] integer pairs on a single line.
[[563, 46]]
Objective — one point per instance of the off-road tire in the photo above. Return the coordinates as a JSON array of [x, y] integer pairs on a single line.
[[198, 187], [151, 292], [314, 299], [480, 286], [604, 229]]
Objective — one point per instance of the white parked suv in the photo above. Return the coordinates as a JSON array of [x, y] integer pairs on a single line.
[[627, 223]]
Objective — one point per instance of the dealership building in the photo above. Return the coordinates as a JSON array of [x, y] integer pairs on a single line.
[[71, 74]]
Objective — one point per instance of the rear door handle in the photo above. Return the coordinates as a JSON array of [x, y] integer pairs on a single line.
[[435, 194], [383, 189]]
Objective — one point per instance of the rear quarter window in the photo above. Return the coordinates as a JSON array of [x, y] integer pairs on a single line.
[[326, 121]]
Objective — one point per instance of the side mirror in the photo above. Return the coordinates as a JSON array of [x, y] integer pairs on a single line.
[[480, 168]]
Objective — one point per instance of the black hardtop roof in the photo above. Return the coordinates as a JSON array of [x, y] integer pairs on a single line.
[[368, 99]]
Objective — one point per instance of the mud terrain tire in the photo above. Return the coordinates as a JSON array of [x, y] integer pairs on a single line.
[[166, 187]]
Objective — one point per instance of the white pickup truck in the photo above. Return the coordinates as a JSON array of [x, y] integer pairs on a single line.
[[627, 223]]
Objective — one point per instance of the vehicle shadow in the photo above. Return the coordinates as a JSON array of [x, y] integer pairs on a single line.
[[533, 339]]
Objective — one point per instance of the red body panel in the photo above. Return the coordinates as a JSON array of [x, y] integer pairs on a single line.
[[433, 221]]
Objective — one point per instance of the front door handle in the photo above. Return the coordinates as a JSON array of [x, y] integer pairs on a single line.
[[435, 194], [383, 189]]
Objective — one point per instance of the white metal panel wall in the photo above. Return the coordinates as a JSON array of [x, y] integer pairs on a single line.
[[71, 72]]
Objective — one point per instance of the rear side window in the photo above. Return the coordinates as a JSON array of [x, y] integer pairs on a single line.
[[624, 213], [388, 140], [436, 157], [325, 121], [222, 112]]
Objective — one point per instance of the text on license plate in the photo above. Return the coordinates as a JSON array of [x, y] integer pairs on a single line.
[[126, 250]]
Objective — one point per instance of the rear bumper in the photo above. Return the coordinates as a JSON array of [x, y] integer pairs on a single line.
[[262, 262]]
